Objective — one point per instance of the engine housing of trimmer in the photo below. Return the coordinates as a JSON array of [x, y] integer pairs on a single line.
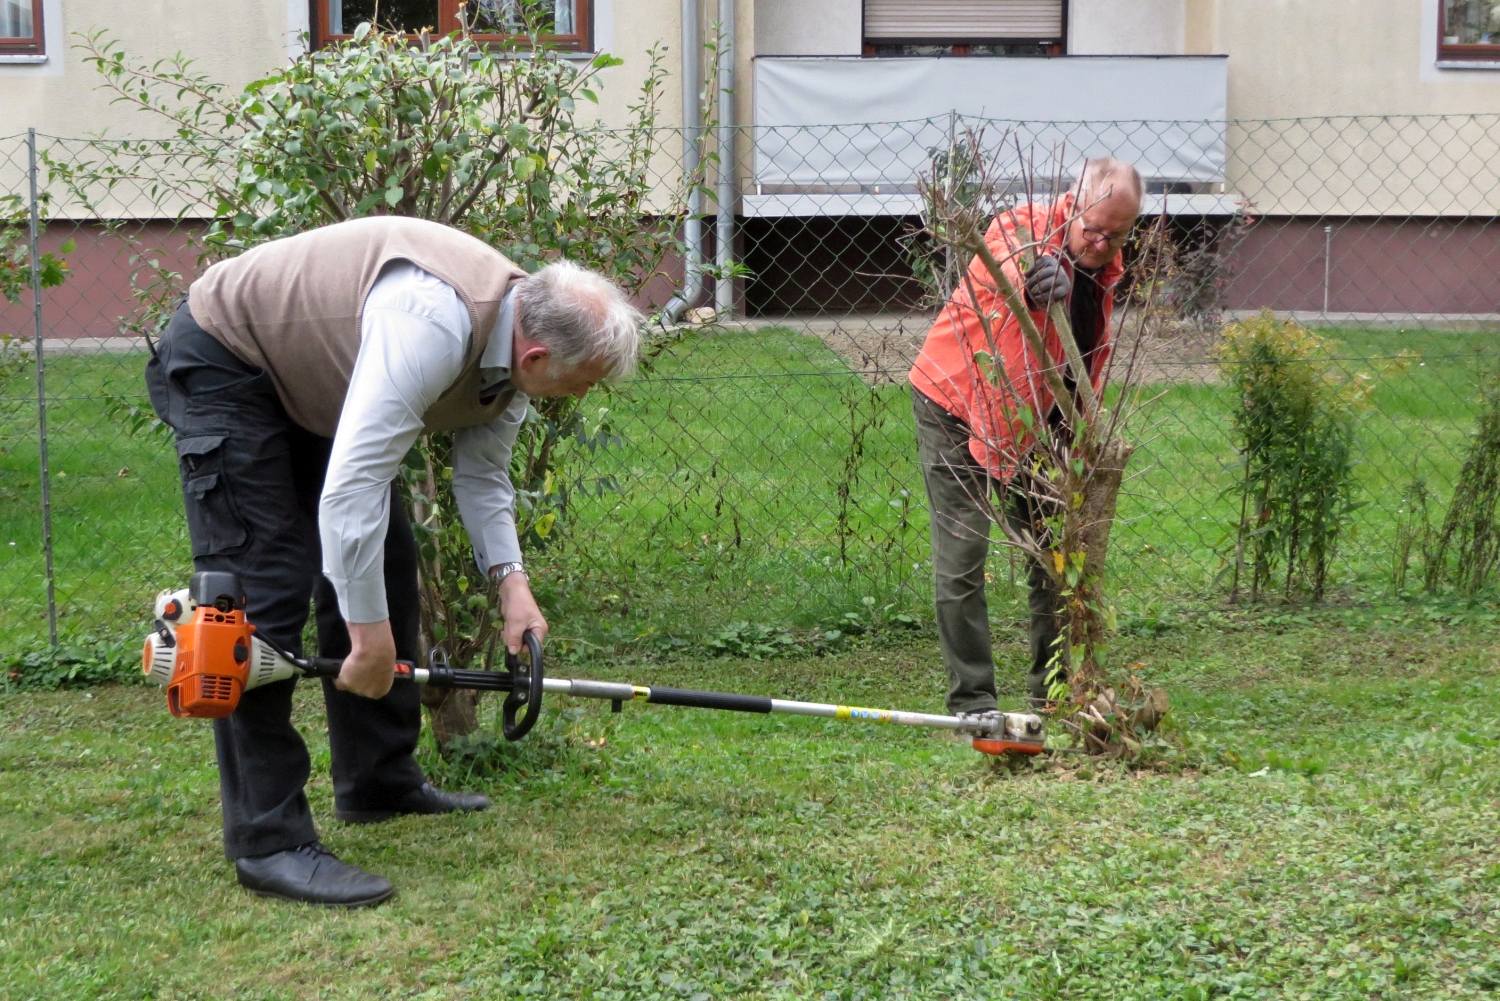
[[204, 652]]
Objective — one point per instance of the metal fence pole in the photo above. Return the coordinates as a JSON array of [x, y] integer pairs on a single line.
[[41, 385], [728, 94]]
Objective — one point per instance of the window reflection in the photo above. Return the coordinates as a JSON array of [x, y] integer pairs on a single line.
[[1471, 22], [15, 19], [503, 17], [405, 16]]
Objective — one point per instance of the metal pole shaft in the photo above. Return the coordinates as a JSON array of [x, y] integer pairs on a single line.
[[724, 257], [615, 691], [44, 473], [1327, 265], [692, 155]]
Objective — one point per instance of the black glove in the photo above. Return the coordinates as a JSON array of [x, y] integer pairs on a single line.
[[1046, 282]]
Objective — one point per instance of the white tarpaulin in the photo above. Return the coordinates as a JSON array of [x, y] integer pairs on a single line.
[[849, 125]]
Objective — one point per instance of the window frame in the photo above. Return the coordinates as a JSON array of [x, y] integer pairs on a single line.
[[1479, 54], [36, 45], [581, 40]]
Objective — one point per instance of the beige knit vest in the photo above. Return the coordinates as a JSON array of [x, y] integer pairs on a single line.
[[293, 306]]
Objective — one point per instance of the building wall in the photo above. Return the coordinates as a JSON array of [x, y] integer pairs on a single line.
[[1127, 27], [798, 28], [235, 42], [1395, 267], [1303, 58]]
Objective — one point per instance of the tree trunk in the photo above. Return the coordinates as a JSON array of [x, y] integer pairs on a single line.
[[1096, 517], [450, 712]]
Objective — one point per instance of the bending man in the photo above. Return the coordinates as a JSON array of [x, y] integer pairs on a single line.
[[296, 377], [964, 469]]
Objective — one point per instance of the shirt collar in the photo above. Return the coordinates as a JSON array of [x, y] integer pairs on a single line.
[[497, 353]]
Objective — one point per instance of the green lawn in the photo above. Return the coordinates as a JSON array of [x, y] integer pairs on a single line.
[[758, 480], [1336, 839]]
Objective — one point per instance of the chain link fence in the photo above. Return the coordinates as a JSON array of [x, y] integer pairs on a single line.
[[763, 467]]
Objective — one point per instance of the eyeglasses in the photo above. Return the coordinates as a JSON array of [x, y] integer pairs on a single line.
[[1116, 240]]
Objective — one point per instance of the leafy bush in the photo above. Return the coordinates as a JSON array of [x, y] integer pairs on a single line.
[[448, 130], [1294, 420], [1466, 551], [78, 665]]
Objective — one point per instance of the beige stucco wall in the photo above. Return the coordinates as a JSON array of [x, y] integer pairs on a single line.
[[798, 28], [1304, 58], [235, 42], [1299, 59], [1126, 27], [238, 40]]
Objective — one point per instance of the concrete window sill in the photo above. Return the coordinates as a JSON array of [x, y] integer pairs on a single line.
[[1468, 64], [13, 59]]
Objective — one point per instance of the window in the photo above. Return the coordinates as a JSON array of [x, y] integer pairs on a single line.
[[21, 28], [1469, 31], [965, 27], [489, 20]]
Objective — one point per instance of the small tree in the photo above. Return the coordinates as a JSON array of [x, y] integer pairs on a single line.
[[484, 139], [1069, 470], [1466, 553], [1293, 420]]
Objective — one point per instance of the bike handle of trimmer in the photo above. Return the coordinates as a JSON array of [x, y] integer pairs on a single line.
[[522, 688]]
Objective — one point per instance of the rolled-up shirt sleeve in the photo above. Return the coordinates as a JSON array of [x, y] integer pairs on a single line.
[[481, 485], [414, 336]]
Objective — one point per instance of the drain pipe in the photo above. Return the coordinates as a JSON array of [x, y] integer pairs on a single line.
[[724, 244], [692, 130]]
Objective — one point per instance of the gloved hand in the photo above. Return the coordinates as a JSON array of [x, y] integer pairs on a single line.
[[1046, 282]]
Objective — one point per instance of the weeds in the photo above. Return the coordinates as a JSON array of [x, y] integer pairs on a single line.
[[75, 665], [1467, 550], [1294, 427], [1414, 534]]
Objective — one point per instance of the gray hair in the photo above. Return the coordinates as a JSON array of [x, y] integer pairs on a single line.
[[580, 316], [1107, 177]]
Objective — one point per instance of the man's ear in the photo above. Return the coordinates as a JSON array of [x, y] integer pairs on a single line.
[[534, 355]]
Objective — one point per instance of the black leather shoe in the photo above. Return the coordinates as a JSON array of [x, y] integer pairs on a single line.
[[425, 799], [311, 874]]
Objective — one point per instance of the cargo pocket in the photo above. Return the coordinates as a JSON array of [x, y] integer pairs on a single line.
[[214, 521]]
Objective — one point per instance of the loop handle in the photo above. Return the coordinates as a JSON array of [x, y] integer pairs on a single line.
[[525, 690]]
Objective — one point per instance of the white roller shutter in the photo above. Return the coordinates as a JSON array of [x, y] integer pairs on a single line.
[[957, 19]]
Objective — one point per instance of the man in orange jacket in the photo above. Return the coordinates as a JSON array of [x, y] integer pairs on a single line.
[[971, 433]]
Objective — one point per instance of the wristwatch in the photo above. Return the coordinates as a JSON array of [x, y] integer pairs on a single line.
[[504, 570]]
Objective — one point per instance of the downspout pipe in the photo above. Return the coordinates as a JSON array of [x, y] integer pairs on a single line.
[[692, 150], [724, 242]]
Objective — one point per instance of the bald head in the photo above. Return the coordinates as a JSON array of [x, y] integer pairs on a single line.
[[1108, 199], [1107, 178]]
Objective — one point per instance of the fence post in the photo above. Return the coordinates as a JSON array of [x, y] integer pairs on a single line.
[[44, 474], [728, 95]]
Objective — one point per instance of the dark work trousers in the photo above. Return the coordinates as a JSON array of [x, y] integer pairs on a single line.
[[962, 499], [251, 482]]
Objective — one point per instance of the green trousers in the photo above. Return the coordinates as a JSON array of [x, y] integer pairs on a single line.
[[962, 501]]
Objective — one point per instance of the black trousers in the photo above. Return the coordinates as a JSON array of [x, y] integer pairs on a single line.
[[959, 490], [251, 483]]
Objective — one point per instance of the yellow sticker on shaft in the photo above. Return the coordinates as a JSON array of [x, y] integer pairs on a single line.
[[858, 712]]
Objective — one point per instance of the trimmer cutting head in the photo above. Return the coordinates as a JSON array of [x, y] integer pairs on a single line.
[[1017, 733]]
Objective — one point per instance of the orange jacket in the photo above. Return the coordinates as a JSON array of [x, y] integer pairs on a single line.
[[945, 370]]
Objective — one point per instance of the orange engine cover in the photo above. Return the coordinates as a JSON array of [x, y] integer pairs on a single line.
[[213, 664]]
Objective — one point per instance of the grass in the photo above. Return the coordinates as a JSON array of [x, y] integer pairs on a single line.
[[1331, 837], [759, 480]]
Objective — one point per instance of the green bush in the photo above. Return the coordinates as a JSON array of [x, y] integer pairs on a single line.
[[77, 665], [1293, 423], [1467, 549]]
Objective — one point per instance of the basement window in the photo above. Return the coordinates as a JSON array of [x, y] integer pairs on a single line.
[[1469, 31], [965, 27], [496, 21], [21, 28]]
